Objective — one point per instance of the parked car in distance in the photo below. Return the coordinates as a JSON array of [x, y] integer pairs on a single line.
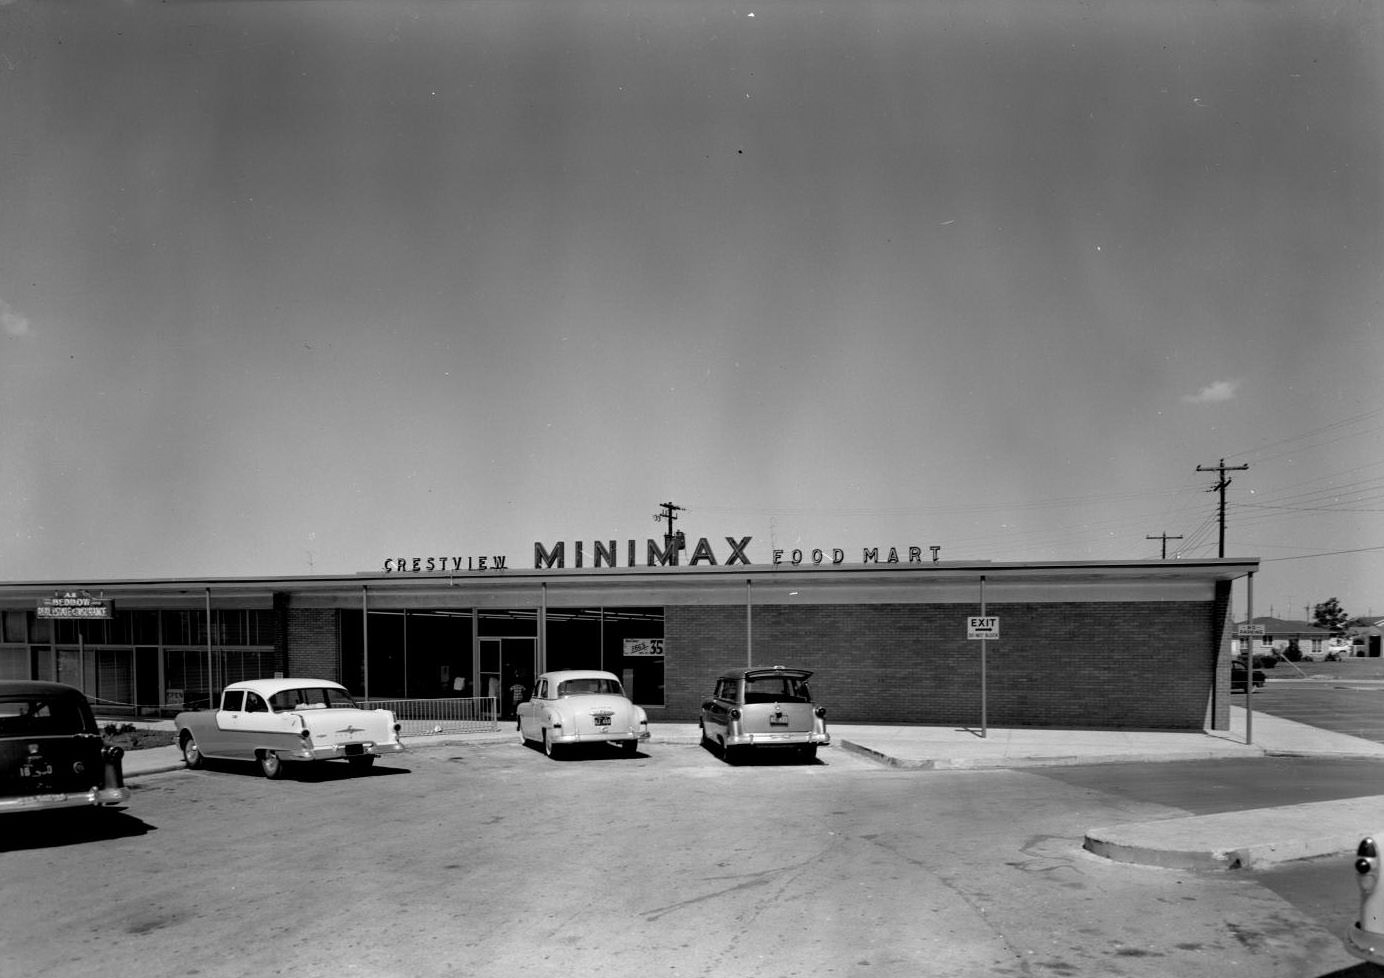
[[580, 706], [763, 709], [277, 720], [1237, 676], [51, 751]]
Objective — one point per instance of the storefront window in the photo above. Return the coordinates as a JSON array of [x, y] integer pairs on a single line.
[[12, 629], [627, 641]]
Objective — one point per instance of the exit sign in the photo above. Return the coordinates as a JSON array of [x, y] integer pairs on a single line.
[[983, 626]]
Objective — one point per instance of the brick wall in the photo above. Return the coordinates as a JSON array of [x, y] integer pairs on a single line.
[[1112, 665], [313, 644]]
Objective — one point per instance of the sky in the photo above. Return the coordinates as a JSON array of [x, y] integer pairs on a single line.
[[294, 287]]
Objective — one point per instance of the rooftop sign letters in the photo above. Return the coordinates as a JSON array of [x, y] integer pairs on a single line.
[[670, 551], [605, 553], [74, 604]]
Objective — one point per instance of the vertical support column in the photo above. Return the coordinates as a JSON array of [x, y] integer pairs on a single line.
[[365, 636], [749, 625], [984, 704], [1249, 662], [211, 668]]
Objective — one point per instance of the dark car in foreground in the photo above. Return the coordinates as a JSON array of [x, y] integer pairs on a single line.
[[764, 709], [1237, 676], [51, 751]]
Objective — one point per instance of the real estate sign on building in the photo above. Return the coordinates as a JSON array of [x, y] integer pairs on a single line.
[[74, 604]]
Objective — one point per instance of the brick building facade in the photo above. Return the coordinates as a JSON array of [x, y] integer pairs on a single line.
[[1114, 645]]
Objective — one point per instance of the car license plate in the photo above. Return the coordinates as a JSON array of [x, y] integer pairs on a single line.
[[602, 721], [353, 750], [778, 721]]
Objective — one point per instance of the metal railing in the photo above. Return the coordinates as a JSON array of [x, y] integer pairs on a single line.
[[449, 715]]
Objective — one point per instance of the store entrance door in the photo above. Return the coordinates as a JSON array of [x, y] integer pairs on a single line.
[[506, 671]]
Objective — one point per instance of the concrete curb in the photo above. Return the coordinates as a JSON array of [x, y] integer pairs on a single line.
[[1022, 760], [1284, 834]]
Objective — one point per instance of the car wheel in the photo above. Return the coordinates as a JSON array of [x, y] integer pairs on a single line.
[[361, 764], [550, 748], [192, 755], [629, 746], [809, 753], [706, 741], [270, 764]]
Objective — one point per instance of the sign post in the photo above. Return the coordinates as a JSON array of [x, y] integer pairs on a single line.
[[983, 627], [1248, 632]]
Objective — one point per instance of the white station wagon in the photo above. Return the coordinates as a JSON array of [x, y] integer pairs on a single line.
[[276, 720], [581, 706]]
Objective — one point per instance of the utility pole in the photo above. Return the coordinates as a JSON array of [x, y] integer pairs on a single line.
[[1220, 487], [1165, 538], [672, 541]]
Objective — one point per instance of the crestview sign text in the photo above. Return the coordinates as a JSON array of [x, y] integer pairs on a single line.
[[654, 553]]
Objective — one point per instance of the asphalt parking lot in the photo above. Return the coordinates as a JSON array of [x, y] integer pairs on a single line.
[[492, 860]]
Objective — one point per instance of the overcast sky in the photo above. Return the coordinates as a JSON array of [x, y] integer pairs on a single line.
[[293, 287]]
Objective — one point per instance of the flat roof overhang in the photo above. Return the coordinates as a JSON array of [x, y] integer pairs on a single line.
[[941, 582]]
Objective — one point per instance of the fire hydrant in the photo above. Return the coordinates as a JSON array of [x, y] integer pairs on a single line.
[[1366, 938]]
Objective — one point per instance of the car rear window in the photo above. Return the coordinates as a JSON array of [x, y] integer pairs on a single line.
[[35, 715], [776, 689], [312, 698], [585, 687]]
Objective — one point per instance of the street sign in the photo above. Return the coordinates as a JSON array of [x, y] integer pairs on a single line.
[[983, 626], [1248, 630]]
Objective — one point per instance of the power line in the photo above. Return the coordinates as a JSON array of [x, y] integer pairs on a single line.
[[1329, 553]]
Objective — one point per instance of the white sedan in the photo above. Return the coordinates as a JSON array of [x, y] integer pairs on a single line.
[[581, 706], [277, 720]]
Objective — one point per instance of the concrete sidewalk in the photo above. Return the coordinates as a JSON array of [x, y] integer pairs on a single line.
[[1236, 840]]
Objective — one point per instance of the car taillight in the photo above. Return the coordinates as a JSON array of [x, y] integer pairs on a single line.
[[305, 734], [821, 711], [735, 714], [113, 753], [398, 727], [78, 767]]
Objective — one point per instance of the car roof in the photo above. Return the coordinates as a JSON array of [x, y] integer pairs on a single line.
[[562, 674], [268, 687], [29, 687], [763, 671]]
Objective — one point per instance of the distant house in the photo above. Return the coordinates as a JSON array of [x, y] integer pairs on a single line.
[[1280, 633], [1365, 635]]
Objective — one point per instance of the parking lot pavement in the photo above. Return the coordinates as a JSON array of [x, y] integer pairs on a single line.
[[1236, 840], [959, 748]]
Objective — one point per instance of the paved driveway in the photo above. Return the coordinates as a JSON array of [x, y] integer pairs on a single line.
[[1354, 707]]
